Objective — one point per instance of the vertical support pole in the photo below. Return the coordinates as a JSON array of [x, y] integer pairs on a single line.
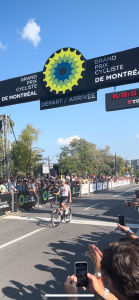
[[115, 165], [12, 203]]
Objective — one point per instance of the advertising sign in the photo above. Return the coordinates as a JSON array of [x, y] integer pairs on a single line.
[[45, 169], [122, 100], [5, 203], [75, 190], [26, 199], [67, 77], [21, 89], [115, 69], [70, 99]]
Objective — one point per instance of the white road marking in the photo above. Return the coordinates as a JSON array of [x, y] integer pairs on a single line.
[[20, 238], [73, 221], [66, 295], [123, 193], [91, 206]]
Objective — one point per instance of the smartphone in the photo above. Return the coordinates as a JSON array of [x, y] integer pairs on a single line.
[[137, 207], [121, 220], [81, 270]]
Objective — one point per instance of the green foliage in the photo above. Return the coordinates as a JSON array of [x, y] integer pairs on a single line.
[[25, 157], [82, 158]]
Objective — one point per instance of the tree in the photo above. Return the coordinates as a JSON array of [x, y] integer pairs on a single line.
[[82, 158], [78, 157], [26, 157]]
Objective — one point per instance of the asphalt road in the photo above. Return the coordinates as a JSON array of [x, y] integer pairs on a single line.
[[36, 259]]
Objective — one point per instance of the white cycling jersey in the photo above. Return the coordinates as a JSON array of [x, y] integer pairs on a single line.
[[64, 190]]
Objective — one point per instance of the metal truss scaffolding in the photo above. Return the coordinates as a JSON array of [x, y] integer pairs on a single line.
[[5, 133]]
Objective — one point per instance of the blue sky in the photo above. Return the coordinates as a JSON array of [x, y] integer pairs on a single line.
[[95, 28]]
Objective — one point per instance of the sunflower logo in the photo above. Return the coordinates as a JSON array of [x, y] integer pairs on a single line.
[[63, 71], [21, 200], [45, 196], [73, 190]]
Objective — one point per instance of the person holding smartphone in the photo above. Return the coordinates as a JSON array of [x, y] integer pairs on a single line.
[[120, 264]]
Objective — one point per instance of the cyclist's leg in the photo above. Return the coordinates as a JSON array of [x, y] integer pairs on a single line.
[[63, 201], [63, 206]]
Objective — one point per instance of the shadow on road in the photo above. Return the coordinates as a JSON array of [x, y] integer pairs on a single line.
[[62, 255]]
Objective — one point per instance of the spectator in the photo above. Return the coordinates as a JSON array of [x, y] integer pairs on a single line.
[[12, 189], [3, 189], [136, 180], [24, 186], [68, 177], [33, 188], [120, 264], [19, 186]]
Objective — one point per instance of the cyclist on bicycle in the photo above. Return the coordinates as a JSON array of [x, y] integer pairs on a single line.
[[65, 193]]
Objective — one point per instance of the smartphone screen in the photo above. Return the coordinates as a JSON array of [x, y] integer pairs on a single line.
[[81, 273], [121, 220]]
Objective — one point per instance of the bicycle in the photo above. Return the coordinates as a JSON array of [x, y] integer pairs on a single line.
[[58, 215]]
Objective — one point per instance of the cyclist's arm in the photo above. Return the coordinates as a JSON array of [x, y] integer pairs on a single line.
[[70, 194]]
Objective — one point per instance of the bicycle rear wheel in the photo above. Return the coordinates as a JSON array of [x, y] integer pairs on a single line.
[[55, 217], [68, 216]]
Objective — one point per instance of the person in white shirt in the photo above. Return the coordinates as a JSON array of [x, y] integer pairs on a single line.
[[65, 193]]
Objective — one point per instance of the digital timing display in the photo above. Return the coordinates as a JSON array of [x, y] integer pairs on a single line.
[[122, 100], [125, 94]]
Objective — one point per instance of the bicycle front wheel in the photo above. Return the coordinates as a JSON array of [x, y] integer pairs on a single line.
[[68, 216], [56, 217]]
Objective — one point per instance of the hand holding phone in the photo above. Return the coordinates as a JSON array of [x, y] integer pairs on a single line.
[[81, 270], [121, 220]]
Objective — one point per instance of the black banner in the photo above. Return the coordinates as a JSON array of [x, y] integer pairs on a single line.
[[26, 199], [75, 190], [44, 196], [5, 203], [67, 72], [47, 196], [114, 69], [51, 196], [122, 100], [22, 89], [70, 99]]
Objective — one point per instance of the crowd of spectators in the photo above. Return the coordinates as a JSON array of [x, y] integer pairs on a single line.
[[41, 182]]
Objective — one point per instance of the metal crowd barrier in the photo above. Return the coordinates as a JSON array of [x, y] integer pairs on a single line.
[[26, 200], [100, 186]]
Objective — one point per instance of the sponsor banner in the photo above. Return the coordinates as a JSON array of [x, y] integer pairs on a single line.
[[120, 182], [26, 199], [109, 184], [44, 196], [75, 190], [5, 203], [99, 186], [47, 196], [105, 186], [51, 197], [92, 187], [21, 89], [84, 189], [115, 69], [113, 184]]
